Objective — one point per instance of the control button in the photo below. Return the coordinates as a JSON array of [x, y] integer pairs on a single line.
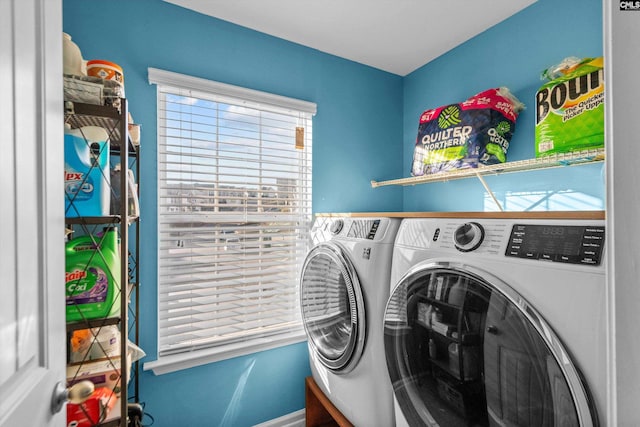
[[594, 230], [468, 236], [570, 259], [593, 237], [589, 255], [436, 234], [587, 245], [513, 249], [547, 257], [589, 261]]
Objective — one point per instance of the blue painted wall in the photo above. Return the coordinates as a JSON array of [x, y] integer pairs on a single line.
[[511, 54], [365, 129], [356, 136]]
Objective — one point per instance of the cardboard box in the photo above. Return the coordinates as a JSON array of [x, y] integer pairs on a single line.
[[102, 373]]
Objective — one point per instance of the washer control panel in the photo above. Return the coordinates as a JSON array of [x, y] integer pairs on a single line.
[[560, 243]]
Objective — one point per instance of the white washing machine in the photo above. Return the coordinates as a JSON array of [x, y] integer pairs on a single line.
[[498, 322], [344, 288]]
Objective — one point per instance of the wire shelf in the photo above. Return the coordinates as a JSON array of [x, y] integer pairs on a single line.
[[547, 162]]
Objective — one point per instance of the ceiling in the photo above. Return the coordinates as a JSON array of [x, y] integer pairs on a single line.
[[397, 36]]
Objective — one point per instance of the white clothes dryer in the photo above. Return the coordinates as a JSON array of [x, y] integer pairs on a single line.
[[344, 288], [498, 322]]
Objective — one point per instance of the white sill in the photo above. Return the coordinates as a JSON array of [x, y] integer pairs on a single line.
[[177, 362]]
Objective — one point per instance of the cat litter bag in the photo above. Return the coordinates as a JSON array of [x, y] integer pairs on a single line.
[[476, 131], [570, 107]]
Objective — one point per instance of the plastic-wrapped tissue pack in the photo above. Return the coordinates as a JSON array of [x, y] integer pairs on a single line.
[[476, 131]]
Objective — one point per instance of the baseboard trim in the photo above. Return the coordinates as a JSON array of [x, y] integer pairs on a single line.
[[294, 419]]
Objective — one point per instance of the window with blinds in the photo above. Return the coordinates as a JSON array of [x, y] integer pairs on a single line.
[[234, 212]]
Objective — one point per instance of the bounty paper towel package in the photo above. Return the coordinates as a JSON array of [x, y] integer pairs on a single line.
[[476, 131], [570, 107]]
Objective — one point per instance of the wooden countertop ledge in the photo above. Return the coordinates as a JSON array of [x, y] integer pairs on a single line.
[[496, 215]]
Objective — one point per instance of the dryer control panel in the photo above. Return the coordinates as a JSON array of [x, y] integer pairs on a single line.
[[364, 229], [560, 243]]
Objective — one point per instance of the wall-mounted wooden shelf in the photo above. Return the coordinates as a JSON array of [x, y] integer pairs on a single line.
[[553, 161], [486, 215]]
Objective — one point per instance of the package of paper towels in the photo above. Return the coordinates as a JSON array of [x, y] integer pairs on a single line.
[[570, 107]]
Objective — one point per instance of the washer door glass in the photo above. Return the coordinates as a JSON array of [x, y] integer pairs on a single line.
[[464, 349], [332, 307]]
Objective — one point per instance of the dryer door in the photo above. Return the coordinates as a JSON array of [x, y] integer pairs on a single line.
[[464, 349], [333, 310]]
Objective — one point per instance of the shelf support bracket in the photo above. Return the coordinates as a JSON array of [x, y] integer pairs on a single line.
[[486, 187]]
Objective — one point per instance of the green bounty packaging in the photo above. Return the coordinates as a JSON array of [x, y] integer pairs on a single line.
[[570, 107]]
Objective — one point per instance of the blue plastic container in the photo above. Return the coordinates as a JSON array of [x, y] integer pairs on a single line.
[[86, 172]]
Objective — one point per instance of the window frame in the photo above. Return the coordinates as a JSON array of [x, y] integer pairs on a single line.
[[256, 99]]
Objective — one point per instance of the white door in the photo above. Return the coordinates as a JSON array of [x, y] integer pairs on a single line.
[[32, 323]]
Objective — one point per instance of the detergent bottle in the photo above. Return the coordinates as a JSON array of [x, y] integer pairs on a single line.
[[86, 172], [93, 276]]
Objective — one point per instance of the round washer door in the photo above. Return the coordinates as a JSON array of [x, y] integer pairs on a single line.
[[333, 311], [465, 349]]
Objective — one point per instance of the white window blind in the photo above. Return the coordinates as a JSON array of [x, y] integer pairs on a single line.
[[234, 211]]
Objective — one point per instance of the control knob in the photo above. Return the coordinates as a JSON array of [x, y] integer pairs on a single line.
[[336, 226], [468, 236]]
